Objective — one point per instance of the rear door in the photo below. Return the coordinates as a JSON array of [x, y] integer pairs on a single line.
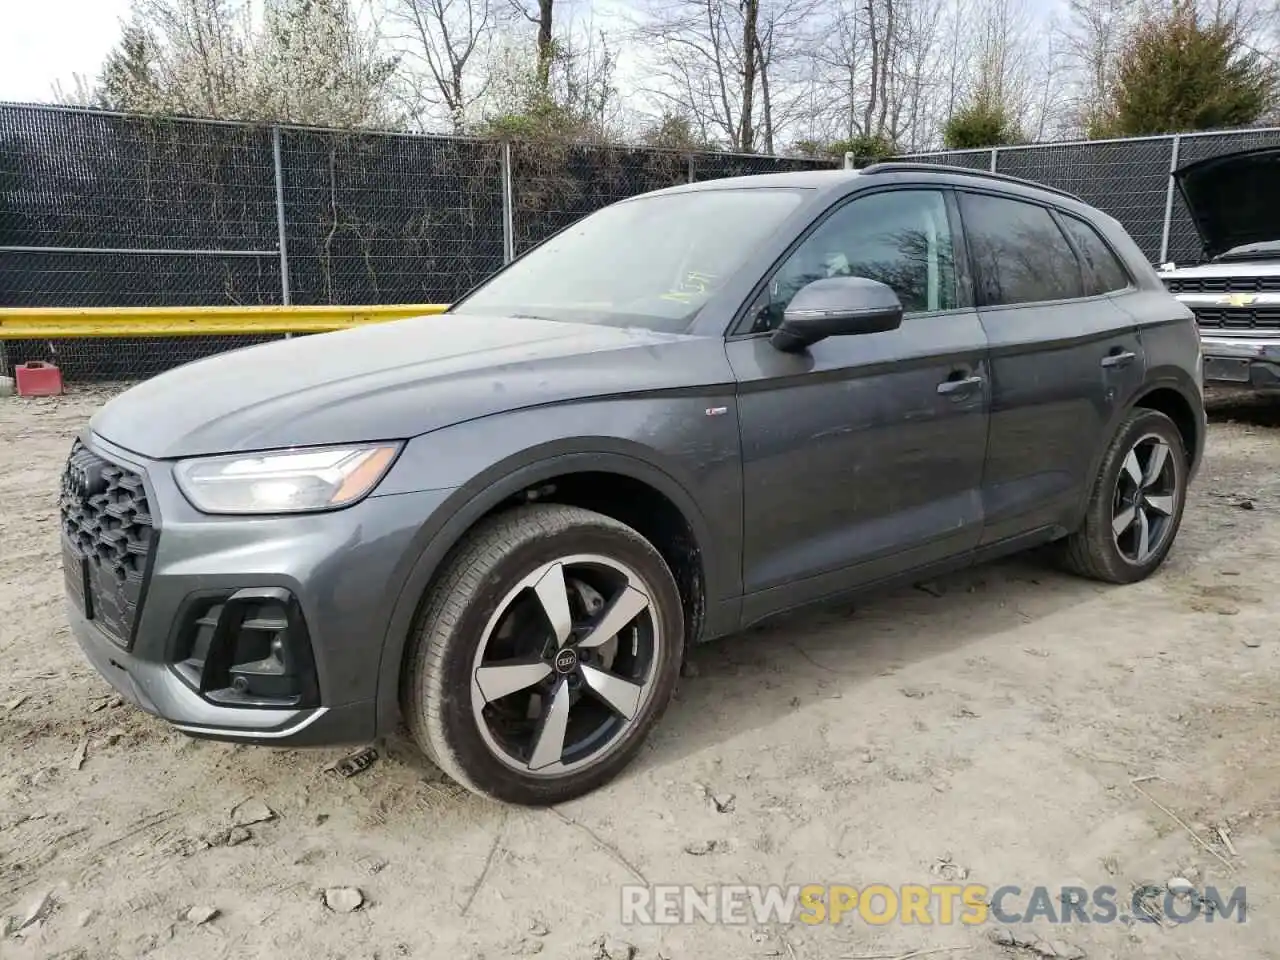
[[1063, 356]]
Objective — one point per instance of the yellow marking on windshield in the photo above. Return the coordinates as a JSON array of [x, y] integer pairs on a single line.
[[695, 283]]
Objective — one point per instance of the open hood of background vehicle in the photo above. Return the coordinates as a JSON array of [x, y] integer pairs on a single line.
[[1233, 199]]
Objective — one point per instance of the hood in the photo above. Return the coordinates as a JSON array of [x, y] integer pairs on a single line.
[[386, 381], [1233, 199]]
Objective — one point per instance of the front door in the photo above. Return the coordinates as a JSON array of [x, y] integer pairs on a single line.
[[862, 456], [1064, 354]]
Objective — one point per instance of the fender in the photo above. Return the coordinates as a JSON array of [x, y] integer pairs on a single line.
[[450, 523], [1164, 377]]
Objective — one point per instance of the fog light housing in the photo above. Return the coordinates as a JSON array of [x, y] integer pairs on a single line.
[[248, 649]]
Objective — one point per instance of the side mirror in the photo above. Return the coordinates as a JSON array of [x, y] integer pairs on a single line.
[[836, 307]]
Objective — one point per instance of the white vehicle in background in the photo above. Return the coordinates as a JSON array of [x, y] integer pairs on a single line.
[[1235, 295]]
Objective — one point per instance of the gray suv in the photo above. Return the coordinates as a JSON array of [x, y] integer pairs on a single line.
[[687, 412]]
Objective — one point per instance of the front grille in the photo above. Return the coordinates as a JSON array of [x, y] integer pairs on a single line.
[[1222, 284], [109, 532], [1238, 318]]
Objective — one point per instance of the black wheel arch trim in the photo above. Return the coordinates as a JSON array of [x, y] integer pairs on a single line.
[[1161, 378], [1180, 381], [473, 500]]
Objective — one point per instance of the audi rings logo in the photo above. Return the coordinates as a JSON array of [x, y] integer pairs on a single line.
[[85, 480]]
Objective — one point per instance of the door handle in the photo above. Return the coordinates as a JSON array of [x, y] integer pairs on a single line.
[[1122, 359], [959, 386]]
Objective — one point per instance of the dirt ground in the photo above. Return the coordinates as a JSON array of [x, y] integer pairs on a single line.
[[989, 725]]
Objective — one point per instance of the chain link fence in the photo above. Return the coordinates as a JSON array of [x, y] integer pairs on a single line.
[[1128, 179], [104, 209], [99, 209]]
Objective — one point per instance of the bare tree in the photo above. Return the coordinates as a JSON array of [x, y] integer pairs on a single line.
[[1011, 68], [730, 66], [541, 13], [1092, 36], [449, 40], [584, 80], [786, 34], [750, 62], [579, 101], [886, 59], [959, 36]]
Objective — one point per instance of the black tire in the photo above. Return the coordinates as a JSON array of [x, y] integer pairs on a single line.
[[1093, 551], [476, 577]]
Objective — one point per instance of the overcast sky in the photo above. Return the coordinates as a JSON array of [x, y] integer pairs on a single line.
[[47, 41], [43, 42]]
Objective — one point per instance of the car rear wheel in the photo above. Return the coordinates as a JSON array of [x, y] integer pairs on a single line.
[[544, 654], [1136, 504]]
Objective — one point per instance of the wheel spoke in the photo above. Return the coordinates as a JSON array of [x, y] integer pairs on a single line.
[[1162, 505], [1124, 520], [1155, 466], [498, 680], [622, 695], [1133, 468], [548, 744], [1143, 537], [554, 597], [628, 605]]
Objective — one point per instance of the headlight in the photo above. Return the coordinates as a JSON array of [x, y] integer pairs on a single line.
[[284, 481]]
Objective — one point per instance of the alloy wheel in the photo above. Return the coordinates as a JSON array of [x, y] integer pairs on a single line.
[[1146, 498], [566, 665]]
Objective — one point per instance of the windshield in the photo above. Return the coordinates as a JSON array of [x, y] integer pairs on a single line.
[[649, 262], [1267, 250]]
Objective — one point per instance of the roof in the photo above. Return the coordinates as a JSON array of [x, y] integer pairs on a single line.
[[802, 179], [830, 178]]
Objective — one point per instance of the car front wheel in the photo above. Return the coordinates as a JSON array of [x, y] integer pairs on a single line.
[[545, 652], [1136, 503]]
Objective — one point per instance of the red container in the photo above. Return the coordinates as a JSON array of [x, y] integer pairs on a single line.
[[38, 379]]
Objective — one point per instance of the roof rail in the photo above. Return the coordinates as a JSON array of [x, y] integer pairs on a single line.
[[906, 166]]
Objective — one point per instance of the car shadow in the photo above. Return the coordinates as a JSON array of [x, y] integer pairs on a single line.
[[781, 666], [749, 680]]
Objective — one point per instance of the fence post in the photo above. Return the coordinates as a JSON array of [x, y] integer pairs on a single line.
[[995, 153], [691, 174], [1168, 200], [280, 229], [508, 207]]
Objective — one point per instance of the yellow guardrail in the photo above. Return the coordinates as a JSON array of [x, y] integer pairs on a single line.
[[55, 323]]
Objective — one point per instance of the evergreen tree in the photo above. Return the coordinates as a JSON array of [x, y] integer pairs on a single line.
[[128, 79], [983, 122], [1179, 73]]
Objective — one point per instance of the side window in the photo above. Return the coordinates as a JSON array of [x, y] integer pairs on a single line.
[[901, 238], [1019, 255], [1103, 273]]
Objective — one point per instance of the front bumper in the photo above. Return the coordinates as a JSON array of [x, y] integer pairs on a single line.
[[155, 687], [341, 571], [1252, 363]]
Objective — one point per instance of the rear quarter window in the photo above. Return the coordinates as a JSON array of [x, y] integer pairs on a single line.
[[1103, 271]]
